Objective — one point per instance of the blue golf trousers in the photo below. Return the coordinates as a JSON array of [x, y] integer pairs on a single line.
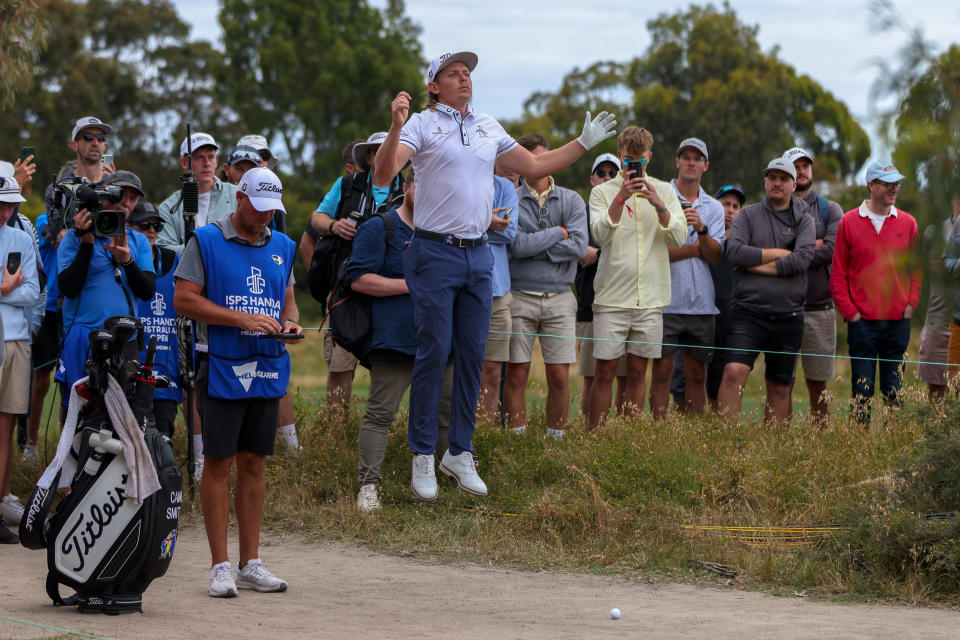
[[452, 291]]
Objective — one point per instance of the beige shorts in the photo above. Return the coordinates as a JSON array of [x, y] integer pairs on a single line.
[[618, 331], [819, 337], [553, 317], [339, 360], [498, 344], [588, 364], [15, 373], [934, 344]]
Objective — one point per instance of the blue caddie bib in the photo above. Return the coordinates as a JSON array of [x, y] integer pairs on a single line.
[[160, 319], [250, 280]]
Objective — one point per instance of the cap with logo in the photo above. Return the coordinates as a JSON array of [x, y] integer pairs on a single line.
[[694, 143], [10, 191], [360, 149], [884, 172], [263, 188], [243, 153], [606, 157], [89, 122], [123, 178], [734, 189], [781, 164], [143, 211], [198, 140], [468, 58], [796, 153]]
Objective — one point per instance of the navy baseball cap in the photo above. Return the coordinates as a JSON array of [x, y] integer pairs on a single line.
[[731, 188]]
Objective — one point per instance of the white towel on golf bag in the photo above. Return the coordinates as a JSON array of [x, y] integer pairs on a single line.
[[142, 481]]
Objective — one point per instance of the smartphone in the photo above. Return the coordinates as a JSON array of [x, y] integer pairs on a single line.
[[637, 167], [506, 214], [106, 159], [13, 261], [26, 152]]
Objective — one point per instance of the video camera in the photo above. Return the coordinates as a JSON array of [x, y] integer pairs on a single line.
[[70, 196]]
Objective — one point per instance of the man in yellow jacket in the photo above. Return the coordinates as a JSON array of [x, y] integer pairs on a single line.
[[633, 218]]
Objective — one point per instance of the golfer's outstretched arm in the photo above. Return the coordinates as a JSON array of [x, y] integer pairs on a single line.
[[530, 166]]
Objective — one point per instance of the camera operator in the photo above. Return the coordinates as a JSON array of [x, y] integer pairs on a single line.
[[217, 200], [99, 278], [159, 318], [19, 290]]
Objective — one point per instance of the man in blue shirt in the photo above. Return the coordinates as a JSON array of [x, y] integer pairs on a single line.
[[236, 276], [352, 199]]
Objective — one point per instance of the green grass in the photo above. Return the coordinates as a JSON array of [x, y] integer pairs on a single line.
[[614, 502]]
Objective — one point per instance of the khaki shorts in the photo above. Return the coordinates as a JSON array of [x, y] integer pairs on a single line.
[[588, 364], [934, 347], [15, 374], [498, 344], [554, 317], [820, 337], [339, 360], [618, 331]]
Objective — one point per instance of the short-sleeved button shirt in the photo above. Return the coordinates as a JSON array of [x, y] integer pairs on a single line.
[[691, 284], [453, 157]]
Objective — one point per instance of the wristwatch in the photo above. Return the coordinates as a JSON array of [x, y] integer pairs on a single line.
[[704, 231]]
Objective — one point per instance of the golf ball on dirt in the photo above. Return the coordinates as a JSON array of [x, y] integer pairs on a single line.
[[615, 613]]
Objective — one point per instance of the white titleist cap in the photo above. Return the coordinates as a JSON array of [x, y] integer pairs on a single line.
[[263, 188], [87, 122], [198, 140]]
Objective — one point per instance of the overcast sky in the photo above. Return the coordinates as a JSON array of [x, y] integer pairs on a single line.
[[529, 45]]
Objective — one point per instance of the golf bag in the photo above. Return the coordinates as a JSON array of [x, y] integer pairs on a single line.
[[115, 531]]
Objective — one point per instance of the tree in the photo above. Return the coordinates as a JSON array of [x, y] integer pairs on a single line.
[[131, 63], [318, 73], [22, 37], [705, 75]]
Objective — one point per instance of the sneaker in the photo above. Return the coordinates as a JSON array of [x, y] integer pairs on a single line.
[[31, 453], [221, 581], [198, 468], [556, 434], [11, 509], [368, 499], [7, 536], [255, 575], [463, 469], [423, 480]]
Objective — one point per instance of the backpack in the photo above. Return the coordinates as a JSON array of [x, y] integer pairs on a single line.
[[824, 211], [350, 311], [330, 252]]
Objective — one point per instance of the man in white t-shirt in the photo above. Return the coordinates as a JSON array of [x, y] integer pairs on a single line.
[[217, 199], [448, 266]]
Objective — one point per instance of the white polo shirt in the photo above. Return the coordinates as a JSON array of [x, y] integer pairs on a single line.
[[453, 161]]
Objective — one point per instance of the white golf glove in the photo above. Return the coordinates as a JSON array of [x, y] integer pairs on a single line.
[[598, 130]]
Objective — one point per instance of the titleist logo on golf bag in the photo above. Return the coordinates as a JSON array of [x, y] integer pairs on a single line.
[[36, 505], [89, 527]]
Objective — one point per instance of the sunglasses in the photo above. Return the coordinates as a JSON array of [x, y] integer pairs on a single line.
[[157, 226], [88, 137], [251, 156], [889, 186], [542, 218], [606, 173]]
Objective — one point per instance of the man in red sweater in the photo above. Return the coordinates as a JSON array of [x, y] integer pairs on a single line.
[[876, 285]]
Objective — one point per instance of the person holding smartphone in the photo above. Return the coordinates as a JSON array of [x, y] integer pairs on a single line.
[[19, 292], [633, 218]]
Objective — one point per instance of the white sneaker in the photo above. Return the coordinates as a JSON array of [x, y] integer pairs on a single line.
[[556, 434], [255, 575], [31, 453], [368, 499], [221, 581], [423, 480], [463, 469], [11, 509]]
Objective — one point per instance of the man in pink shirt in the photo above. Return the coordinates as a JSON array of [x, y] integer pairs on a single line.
[[876, 286]]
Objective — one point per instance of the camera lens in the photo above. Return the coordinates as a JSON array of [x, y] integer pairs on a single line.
[[108, 223]]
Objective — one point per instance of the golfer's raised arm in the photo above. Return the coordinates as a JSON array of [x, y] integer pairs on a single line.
[[392, 156], [595, 131]]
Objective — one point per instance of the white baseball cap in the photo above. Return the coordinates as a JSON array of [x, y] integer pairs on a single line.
[[198, 140], [796, 153], [468, 58], [86, 122], [6, 169], [606, 157], [10, 191], [263, 188]]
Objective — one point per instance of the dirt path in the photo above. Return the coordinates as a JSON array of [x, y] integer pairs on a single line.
[[339, 591]]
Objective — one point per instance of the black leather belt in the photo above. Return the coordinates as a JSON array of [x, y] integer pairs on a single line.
[[450, 239]]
